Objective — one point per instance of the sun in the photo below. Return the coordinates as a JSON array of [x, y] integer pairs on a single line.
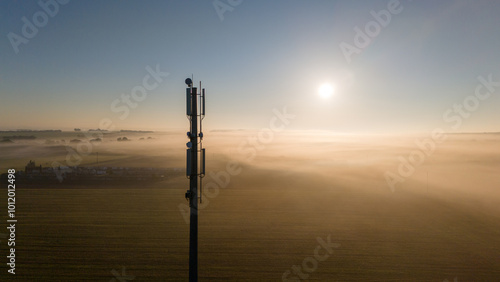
[[326, 90]]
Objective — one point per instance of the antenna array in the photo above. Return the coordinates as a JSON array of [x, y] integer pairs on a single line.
[[195, 111]]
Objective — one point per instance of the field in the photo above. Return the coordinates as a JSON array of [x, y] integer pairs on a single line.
[[442, 222]]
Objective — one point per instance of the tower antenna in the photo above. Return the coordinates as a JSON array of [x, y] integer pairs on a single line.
[[195, 111]]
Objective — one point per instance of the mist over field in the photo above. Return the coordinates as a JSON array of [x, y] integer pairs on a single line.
[[268, 202]]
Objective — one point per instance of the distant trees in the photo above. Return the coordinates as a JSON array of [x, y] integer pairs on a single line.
[[20, 137], [103, 130], [137, 131]]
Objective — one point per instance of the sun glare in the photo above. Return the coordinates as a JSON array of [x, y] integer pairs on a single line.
[[326, 90]]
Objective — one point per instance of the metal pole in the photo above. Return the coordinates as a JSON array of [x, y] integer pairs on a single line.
[[193, 186]]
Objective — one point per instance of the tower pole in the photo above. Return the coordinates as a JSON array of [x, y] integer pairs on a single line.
[[193, 188]]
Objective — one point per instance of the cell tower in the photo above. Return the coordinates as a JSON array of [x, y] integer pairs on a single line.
[[195, 111]]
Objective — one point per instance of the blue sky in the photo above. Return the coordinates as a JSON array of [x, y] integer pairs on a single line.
[[262, 55]]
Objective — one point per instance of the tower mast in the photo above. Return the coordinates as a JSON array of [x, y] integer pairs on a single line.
[[195, 147]]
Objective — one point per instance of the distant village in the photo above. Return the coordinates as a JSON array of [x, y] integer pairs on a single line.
[[37, 175], [88, 175], [21, 135]]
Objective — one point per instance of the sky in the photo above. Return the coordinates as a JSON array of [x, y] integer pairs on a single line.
[[395, 66]]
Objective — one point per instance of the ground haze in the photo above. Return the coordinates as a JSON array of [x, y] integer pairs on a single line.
[[442, 222]]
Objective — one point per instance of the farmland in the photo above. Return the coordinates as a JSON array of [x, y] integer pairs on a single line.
[[269, 217]]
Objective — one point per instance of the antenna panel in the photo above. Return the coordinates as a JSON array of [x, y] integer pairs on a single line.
[[203, 102], [188, 101], [202, 162], [188, 162]]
